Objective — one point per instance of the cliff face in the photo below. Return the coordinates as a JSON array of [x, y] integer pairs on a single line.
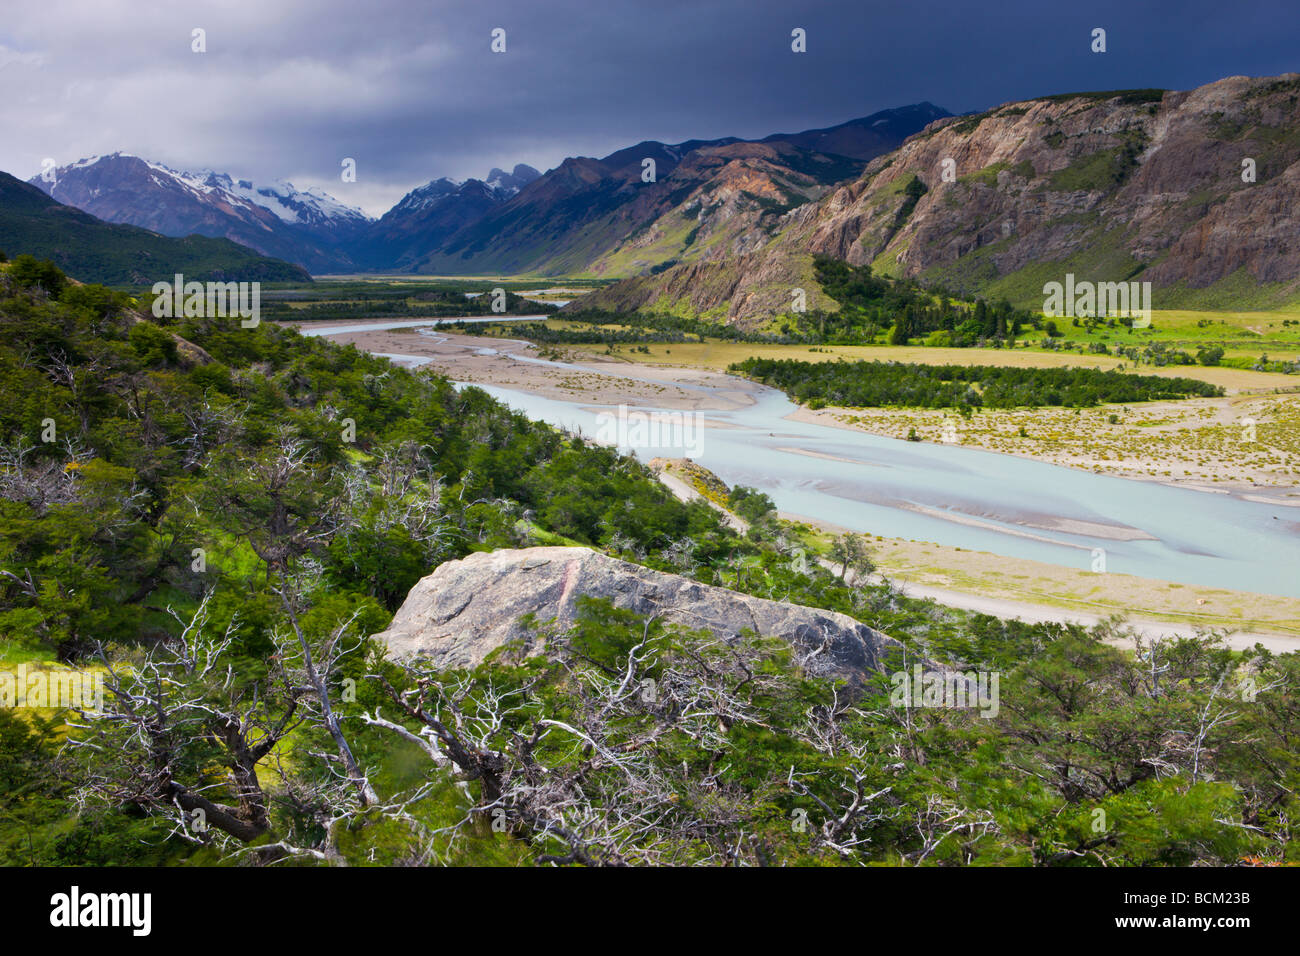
[[1142, 185], [466, 609]]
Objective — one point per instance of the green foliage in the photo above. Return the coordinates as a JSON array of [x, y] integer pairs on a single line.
[[154, 346], [868, 303], [161, 453], [1088, 760], [1102, 171], [750, 503], [157, 455], [912, 194], [392, 300], [870, 384], [38, 826], [27, 271], [593, 327]]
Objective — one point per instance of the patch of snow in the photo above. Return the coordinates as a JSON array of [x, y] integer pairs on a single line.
[[281, 198]]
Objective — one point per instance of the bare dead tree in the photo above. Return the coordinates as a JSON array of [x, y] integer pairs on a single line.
[[210, 423], [844, 826], [591, 788], [301, 651], [39, 480], [171, 715]]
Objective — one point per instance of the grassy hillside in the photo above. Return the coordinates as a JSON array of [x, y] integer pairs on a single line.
[[850, 306]]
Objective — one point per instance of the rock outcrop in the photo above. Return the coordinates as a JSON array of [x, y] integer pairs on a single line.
[[466, 609]]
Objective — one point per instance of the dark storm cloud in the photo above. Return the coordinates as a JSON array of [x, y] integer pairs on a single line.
[[411, 90]]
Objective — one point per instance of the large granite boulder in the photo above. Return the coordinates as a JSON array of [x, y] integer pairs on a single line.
[[466, 609]]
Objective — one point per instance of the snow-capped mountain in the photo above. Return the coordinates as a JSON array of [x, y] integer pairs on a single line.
[[499, 185], [427, 195], [307, 227], [507, 184], [313, 207], [584, 215], [428, 215]]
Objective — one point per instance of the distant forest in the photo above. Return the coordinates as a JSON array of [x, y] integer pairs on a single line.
[[370, 302], [869, 306], [870, 384]]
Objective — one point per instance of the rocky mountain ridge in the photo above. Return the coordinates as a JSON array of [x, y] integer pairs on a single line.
[[651, 205], [1193, 191], [425, 218], [588, 215]]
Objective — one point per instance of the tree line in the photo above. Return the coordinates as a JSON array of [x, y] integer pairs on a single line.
[[872, 384]]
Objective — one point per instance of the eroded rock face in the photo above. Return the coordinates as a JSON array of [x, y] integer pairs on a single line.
[[466, 609], [1112, 187]]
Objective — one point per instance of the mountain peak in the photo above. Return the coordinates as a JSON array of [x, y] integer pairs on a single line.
[[92, 250], [1038, 181], [276, 218], [869, 136], [595, 210], [279, 197], [510, 183]]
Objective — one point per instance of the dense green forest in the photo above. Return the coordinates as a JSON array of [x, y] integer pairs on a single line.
[[216, 517], [871, 304], [872, 384]]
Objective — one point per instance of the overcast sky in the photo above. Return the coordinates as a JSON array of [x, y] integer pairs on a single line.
[[412, 90]]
